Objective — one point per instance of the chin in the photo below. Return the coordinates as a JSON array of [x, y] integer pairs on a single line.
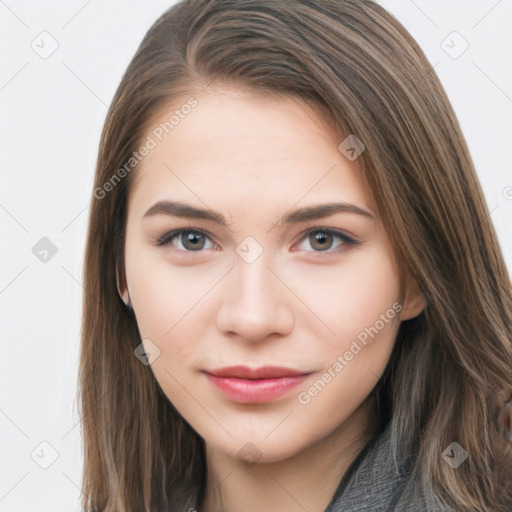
[[254, 453], [258, 449]]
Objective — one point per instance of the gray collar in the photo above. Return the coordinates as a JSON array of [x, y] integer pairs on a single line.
[[378, 481]]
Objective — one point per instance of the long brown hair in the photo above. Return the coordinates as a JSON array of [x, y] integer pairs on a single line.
[[450, 370]]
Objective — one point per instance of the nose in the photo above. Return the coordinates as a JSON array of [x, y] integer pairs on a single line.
[[255, 303]]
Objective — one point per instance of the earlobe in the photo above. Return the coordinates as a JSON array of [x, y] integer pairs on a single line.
[[414, 302], [122, 290]]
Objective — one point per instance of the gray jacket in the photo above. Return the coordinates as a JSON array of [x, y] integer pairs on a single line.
[[374, 483]]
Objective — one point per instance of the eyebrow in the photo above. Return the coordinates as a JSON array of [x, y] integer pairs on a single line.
[[320, 211]]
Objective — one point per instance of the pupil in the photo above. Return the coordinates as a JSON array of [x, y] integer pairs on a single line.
[[322, 239], [192, 238]]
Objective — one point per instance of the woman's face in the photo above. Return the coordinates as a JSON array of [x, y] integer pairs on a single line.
[[270, 317]]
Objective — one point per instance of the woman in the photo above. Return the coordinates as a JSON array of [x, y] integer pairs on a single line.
[[294, 297]]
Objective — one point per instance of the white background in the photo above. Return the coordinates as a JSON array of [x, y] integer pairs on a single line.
[[52, 111]]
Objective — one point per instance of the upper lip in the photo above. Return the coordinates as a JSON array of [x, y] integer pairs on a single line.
[[264, 372]]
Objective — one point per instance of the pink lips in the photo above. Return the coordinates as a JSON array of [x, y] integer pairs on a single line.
[[249, 386]]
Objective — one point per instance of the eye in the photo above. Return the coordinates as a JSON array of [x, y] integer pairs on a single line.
[[192, 240], [323, 239], [188, 240]]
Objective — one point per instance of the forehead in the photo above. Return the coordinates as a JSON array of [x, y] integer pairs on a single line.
[[237, 149]]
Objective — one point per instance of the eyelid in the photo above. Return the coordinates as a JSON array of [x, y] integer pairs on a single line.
[[346, 239], [170, 235]]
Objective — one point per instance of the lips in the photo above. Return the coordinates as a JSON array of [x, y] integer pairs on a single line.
[[246, 385], [265, 372]]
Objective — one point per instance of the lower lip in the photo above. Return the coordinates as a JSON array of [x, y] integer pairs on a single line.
[[246, 391]]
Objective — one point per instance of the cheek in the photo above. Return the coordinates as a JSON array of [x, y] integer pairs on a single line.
[[170, 313], [362, 309], [153, 297], [345, 299], [170, 303]]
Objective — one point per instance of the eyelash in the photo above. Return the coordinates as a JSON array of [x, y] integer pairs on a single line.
[[346, 240]]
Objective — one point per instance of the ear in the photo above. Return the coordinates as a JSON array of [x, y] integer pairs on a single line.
[[414, 302], [122, 288]]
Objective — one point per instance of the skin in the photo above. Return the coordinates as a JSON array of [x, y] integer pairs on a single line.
[[254, 159]]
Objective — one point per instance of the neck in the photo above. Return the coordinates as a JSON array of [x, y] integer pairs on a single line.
[[305, 481]]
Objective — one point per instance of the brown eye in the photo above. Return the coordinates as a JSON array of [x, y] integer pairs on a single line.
[[320, 240], [192, 240]]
